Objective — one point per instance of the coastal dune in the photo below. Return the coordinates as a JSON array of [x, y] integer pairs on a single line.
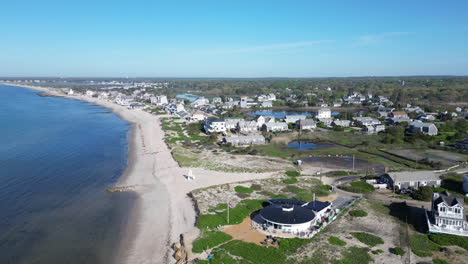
[[163, 210]]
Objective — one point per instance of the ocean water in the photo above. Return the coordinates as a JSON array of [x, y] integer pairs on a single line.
[[57, 158]]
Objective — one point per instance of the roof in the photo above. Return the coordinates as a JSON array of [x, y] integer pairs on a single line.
[[448, 199], [287, 202], [420, 124], [307, 122], [317, 206], [287, 214], [399, 113], [413, 176], [276, 124]]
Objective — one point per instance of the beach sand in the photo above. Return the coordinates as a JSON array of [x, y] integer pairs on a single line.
[[163, 211]]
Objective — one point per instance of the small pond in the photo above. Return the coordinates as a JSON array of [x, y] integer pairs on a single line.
[[304, 145], [187, 96]]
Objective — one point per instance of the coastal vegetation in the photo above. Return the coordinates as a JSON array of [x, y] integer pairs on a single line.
[[336, 241], [209, 239], [368, 239], [358, 213]]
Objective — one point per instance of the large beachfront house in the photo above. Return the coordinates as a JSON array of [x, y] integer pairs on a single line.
[[215, 125], [411, 179], [447, 215]]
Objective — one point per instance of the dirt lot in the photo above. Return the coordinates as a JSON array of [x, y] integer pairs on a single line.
[[447, 158]]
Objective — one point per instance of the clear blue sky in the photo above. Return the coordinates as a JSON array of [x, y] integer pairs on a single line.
[[233, 38]]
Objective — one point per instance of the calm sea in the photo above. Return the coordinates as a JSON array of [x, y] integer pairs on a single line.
[[57, 157]]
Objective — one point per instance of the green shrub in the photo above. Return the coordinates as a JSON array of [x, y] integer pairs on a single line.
[[424, 193], [439, 261], [368, 239], [209, 240], [358, 213], [290, 180], [398, 251], [242, 189], [449, 240], [293, 173], [377, 251], [358, 187], [336, 241], [422, 246], [354, 255], [252, 253]]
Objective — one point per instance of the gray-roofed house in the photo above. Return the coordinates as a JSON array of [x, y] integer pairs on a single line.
[[277, 126], [341, 123], [293, 118], [215, 125], [231, 122], [411, 179], [307, 124], [425, 128], [245, 140], [447, 215], [246, 126]]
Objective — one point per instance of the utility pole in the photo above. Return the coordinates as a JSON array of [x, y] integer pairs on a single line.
[[353, 162]]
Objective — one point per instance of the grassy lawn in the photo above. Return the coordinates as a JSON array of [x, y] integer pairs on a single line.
[[242, 189], [336, 241], [355, 255], [289, 181], [209, 239], [236, 215], [358, 213], [368, 239], [358, 187], [422, 246]]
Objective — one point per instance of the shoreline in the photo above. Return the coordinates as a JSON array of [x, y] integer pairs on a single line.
[[163, 211]]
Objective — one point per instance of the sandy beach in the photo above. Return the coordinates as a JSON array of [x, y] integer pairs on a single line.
[[163, 211]]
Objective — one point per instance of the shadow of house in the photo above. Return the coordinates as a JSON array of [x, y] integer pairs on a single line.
[[414, 216]]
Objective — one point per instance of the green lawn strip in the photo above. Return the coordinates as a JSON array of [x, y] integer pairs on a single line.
[[368, 239], [336, 241], [358, 213], [358, 187], [209, 239], [439, 261], [289, 181], [449, 240], [398, 251], [354, 255], [242, 189], [292, 173], [252, 253], [236, 214], [422, 246]]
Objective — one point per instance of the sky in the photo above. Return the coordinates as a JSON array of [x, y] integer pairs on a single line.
[[233, 38]]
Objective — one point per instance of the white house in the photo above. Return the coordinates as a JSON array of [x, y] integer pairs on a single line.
[[215, 125], [245, 140], [307, 124], [89, 93], [246, 126], [366, 121], [266, 104], [159, 100], [231, 122], [373, 129], [71, 92], [200, 102], [276, 126], [341, 123], [198, 116], [447, 215], [324, 113], [411, 179], [264, 119], [294, 118], [124, 100]]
